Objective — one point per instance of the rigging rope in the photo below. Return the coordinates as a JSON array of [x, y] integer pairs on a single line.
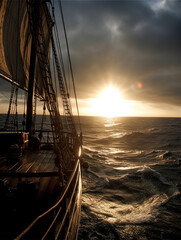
[[65, 99], [13, 104], [17, 48], [16, 109], [44, 64], [34, 110], [70, 63], [60, 55], [9, 109], [12, 115], [24, 115], [42, 122]]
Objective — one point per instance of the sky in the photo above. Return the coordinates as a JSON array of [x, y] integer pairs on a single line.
[[133, 46]]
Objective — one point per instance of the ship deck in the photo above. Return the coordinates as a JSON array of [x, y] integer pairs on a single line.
[[31, 187], [31, 162], [34, 167]]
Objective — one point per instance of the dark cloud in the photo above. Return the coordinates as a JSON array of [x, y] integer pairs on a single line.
[[124, 42], [127, 42]]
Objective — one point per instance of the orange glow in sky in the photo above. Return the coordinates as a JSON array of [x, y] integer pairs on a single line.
[[139, 84]]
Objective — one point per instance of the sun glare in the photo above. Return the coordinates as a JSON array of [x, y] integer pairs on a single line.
[[110, 103]]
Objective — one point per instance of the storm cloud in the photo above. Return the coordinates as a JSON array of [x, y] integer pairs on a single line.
[[126, 42], [134, 45]]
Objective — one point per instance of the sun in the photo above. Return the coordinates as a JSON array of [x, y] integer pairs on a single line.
[[110, 103]]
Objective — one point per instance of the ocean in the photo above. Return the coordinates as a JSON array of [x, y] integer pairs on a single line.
[[131, 190], [132, 187]]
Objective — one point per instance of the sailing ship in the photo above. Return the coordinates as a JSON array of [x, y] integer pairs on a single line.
[[40, 172]]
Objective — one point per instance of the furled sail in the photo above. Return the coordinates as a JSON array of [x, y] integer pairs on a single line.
[[15, 44]]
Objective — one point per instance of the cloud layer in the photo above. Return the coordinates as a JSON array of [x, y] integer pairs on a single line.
[[126, 42]]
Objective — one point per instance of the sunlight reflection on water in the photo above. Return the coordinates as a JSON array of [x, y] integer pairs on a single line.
[[126, 168]]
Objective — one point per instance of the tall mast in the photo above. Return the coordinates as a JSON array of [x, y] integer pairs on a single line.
[[29, 118], [31, 87]]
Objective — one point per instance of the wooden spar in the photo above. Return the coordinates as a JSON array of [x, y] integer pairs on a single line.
[[31, 86], [9, 79]]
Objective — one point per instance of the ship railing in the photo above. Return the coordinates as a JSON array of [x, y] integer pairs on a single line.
[[47, 137], [63, 211], [69, 139]]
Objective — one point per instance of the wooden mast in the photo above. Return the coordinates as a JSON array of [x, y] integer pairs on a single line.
[[31, 87]]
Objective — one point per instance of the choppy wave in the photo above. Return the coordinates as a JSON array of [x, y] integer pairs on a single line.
[[169, 155], [156, 183], [135, 134], [152, 129], [132, 187]]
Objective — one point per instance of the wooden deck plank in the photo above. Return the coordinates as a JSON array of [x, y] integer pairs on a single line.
[[14, 167], [40, 161], [49, 162], [35, 161]]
